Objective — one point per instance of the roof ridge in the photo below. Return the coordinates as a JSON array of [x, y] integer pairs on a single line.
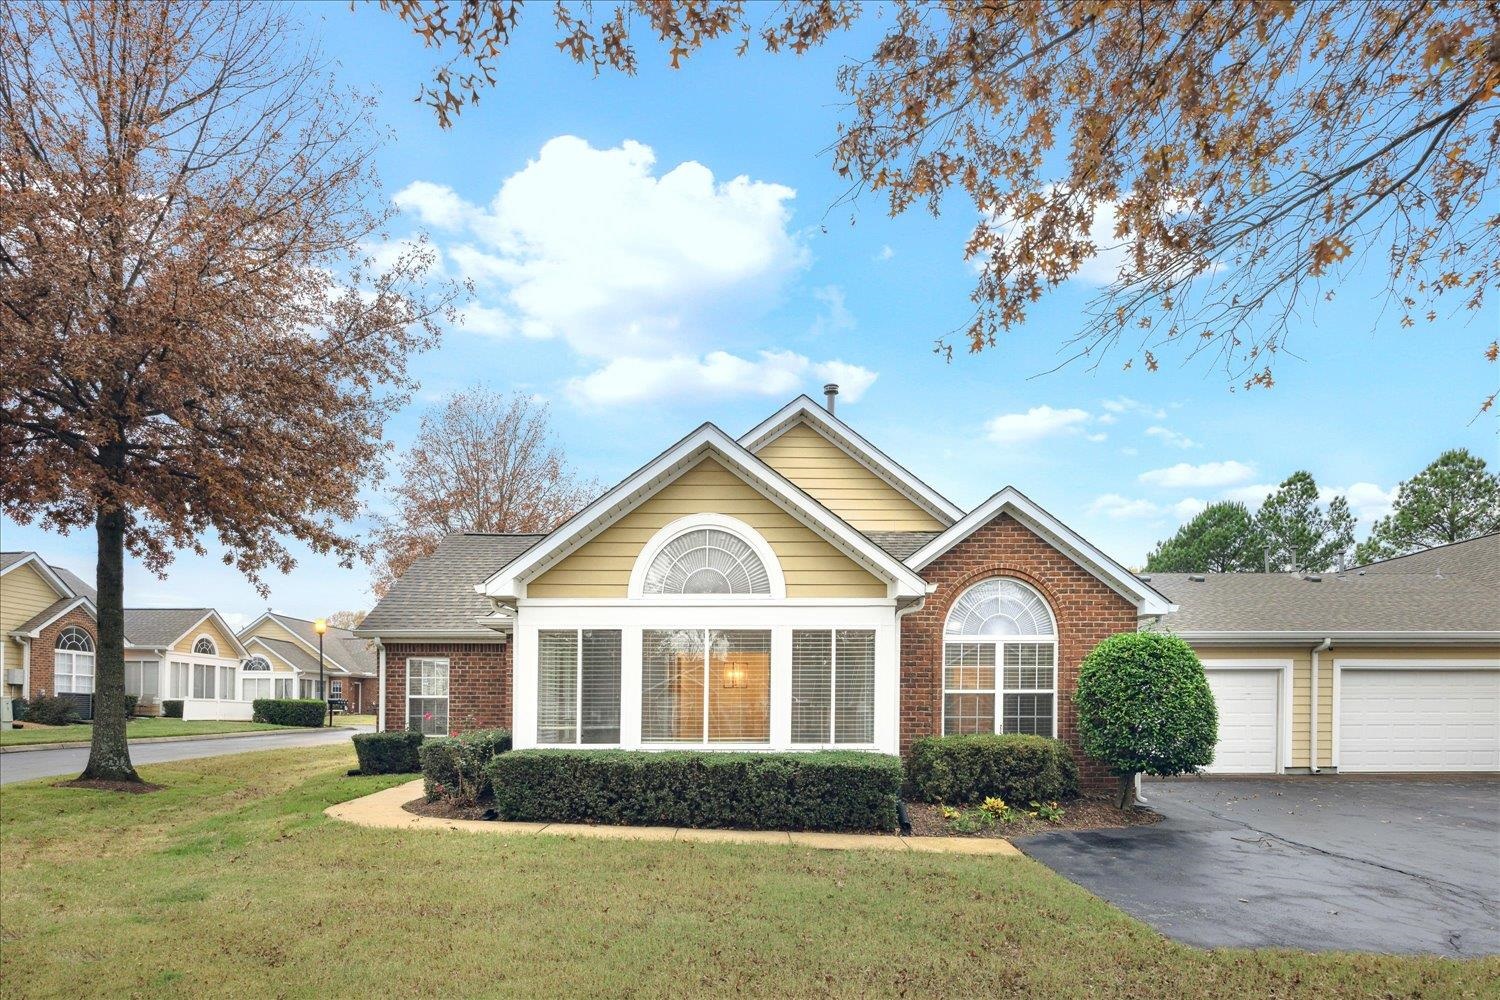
[[1430, 548]]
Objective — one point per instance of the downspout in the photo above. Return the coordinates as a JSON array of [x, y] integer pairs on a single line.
[[1312, 750], [25, 668], [902, 819], [380, 692]]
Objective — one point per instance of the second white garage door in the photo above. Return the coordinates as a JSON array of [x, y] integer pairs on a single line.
[[1249, 714], [1419, 720]]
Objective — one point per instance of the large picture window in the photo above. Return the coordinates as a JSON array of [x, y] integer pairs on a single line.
[[833, 686], [203, 680], [143, 679], [252, 688], [427, 695], [706, 686], [1000, 661], [73, 662], [578, 686]]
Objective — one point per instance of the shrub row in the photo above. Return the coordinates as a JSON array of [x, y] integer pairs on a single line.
[[822, 790], [388, 753], [960, 770], [51, 710], [457, 768], [289, 711], [171, 708]]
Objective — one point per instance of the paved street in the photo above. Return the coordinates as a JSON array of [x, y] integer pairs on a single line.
[[50, 763]]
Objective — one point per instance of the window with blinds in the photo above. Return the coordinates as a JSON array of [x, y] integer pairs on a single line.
[[706, 686], [833, 686], [427, 695], [1026, 684], [578, 686]]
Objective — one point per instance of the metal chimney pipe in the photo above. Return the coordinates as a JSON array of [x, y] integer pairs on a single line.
[[830, 391]]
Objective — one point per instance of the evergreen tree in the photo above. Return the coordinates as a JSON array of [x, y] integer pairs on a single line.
[[1222, 539], [1453, 499], [1298, 532]]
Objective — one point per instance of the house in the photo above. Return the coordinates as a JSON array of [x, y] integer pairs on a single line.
[[282, 662], [797, 588], [1391, 667]]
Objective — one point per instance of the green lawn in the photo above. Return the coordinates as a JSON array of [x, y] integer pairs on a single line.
[[232, 883], [354, 720], [135, 729]]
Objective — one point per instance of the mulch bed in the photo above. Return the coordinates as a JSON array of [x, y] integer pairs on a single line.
[[1079, 814], [443, 809], [133, 787]]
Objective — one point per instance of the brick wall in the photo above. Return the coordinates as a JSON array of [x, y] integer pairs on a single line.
[[1087, 611], [44, 645], [479, 683]]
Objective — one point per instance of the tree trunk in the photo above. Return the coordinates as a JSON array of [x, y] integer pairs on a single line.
[[109, 754], [1127, 792]]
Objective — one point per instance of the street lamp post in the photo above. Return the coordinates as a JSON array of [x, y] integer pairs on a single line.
[[320, 626]]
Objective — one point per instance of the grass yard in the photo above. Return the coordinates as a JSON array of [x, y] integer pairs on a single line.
[[354, 720], [135, 729], [232, 883]]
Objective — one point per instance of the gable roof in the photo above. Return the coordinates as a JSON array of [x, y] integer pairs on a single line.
[[340, 645], [65, 582], [437, 594], [804, 409], [158, 628], [707, 441], [901, 544], [51, 613], [1474, 559], [294, 656], [1148, 601]]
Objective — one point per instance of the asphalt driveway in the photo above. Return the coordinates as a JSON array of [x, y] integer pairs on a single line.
[[1318, 863]]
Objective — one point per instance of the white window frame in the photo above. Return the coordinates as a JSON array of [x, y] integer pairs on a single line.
[[832, 741], [73, 657], [447, 695], [999, 642], [213, 649], [705, 743], [336, 688], [721, 522], [578, 688]]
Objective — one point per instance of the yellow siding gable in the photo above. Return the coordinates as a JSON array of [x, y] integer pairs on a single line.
[[270, 628], [211, 629], [843, 485], [812, 566], [23, 594]]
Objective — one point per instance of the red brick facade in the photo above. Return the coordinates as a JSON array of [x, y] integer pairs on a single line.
[[44, 645], [1087, 611], [479, 683]]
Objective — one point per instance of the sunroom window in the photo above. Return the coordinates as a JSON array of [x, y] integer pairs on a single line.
[[833, 686], [706, 686], [1001, 643], [578, 686]]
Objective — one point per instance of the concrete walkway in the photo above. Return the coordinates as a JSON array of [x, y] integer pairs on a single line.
[[385, 810]]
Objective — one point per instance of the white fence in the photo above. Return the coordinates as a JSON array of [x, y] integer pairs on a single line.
[[217, 711]]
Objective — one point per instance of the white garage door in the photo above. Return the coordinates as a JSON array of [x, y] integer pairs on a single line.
[[1248, 712], [1419, 720]]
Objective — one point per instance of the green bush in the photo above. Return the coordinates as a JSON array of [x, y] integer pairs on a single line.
[[52, 710], [131, 701], [961, 770], [289, 711], [171, 708], [388, 753], [822, 790], [1144, 706], [456, 768]]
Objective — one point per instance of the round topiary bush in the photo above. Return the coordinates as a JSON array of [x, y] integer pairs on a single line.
[[1144, 707]]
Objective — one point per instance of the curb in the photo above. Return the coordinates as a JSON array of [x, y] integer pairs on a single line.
[[85, 744], [385, 810]]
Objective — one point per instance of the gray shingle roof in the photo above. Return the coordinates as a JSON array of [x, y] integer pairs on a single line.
[[437, 593], [6, 558], [1475, 559], [78, 585], [901, 544], [341, 644], [45, 615], [296, 654], [160, 626]]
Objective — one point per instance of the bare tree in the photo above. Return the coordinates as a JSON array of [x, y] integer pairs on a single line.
[[483, 461], [346, 619], [1233, 158], [191, 337]]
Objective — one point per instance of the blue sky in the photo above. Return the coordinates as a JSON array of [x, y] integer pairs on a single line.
[[686, 261]]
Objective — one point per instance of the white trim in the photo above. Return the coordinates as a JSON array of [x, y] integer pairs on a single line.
[[1231, 637], [211, 641], [446, 697], [725, 523], [717, 600], [48, 574], [851, 443], [1283, 667], [1012, 501], [707, 441], [36, 630], [310, 647], [223, 628], [380, 693], [328, 665], [1363, 663], [487, 637]]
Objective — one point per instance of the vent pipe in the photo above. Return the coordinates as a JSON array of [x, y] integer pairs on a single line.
[[830, 392]]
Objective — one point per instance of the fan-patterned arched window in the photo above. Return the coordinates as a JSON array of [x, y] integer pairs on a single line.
[[1000, 640], [73, 662], [707, 561], [257, 663], [206, 646]]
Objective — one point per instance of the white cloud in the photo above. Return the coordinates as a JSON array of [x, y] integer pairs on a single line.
[[886, 253], [1096, 438], [1251, 495], [1124, 404], [1367, 501], [774, 373], [1108, 418], [1205, 476], [236, 620], [1118, 508], [1036, 423], [835, 316], [435, 204], [1170, 437], [1188, 508]]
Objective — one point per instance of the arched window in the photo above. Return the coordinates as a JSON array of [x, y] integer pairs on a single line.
[[205, 646], [257, 663], [707, 561], [1000, 640], [73, 662]]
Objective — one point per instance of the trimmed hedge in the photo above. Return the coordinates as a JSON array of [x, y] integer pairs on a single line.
[[959, 770], [289, 711], [171, 708], [52, 710], [820, 790], [456, 767], [388, 753]]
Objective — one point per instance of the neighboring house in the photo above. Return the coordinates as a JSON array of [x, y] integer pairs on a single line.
[[283, 662], [49, 640], [1391, 667], [793, 588]]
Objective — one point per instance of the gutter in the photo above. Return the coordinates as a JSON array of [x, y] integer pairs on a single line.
[[380, 691], [1312, 749]]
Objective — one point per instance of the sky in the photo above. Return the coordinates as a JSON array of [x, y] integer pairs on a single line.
[[655, 251]]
